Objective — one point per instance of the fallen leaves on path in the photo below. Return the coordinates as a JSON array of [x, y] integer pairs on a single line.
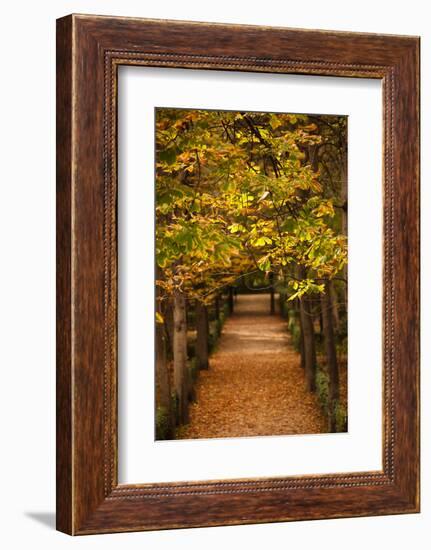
[[255, 385]]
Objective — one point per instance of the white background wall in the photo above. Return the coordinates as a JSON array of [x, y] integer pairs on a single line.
[[27, 298]]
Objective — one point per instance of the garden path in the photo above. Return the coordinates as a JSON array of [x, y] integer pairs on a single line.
[[255, 385]]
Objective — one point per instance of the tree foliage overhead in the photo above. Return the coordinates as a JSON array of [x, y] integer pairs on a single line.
[[246, 193]]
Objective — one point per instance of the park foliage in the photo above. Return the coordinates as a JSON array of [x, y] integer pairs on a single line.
[[250, 196], [238, 193]]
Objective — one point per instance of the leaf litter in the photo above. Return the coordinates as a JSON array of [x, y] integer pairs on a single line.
[[255, 385]]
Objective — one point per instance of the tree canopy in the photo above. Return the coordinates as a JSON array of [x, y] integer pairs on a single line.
[[245, 193]]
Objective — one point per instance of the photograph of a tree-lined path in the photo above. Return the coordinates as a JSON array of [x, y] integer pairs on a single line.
[[251, 274]]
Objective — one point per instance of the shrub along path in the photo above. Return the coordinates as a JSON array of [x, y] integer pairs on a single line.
[[254, 385]]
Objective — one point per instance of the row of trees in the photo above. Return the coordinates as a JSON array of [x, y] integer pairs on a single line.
[[185, 346], [241, 194]]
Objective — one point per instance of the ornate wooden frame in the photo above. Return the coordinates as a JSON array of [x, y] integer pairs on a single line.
[[89, 51]]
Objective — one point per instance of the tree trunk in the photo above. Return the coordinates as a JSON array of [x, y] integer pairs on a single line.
[[230, 300], [162, 377], [162, 374], [344, 213], [217, 307], [272, 293], [202, 334], [309, 343], [334, 302], [168, 315], [321, 325], [331, 354], [180, 356], [284, 312], [301, 336]]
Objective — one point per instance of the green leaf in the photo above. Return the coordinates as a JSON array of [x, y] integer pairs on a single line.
[[168, 155], [264, 263]]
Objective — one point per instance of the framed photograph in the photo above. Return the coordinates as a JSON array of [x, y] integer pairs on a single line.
[[237, 274]]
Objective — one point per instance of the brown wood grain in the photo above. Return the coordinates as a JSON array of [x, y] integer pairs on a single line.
[[63, 289], [89, 51]]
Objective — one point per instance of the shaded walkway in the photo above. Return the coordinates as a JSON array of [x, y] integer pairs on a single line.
[[255, 384]]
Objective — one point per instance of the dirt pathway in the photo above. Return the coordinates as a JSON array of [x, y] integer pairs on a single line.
[[255, 384]]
